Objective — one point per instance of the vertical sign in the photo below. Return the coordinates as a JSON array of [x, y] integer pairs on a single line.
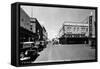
[[90, 26]]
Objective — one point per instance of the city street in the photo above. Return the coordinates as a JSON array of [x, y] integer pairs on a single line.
[[75, 29], [66, 53]]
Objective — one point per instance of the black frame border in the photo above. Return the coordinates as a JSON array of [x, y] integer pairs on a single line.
[[17, 29]]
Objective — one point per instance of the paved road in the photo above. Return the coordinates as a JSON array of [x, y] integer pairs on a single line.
[[66, 53]]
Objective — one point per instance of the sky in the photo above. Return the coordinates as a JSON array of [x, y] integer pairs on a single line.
[[52, 18]]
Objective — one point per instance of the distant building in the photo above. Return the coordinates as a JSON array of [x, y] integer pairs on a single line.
[[74, 30], [45, 35], [74, 33], [77, 32]]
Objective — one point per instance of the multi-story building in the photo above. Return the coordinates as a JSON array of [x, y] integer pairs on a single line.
[[78, 32], [45, 35], [74, 31], [31, 35]]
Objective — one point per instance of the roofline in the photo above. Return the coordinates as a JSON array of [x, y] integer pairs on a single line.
[[78, 24]]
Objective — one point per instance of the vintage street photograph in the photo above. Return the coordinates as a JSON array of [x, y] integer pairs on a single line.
[[53, 34]]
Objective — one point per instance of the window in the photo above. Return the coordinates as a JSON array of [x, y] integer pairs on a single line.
[[68, 27], [82, 29], [86, 29], [74, 28], [77, 28]]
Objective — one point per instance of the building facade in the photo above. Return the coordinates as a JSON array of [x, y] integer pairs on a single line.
[[82, 32], [31, 36], [70, 32], [75, 30]]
